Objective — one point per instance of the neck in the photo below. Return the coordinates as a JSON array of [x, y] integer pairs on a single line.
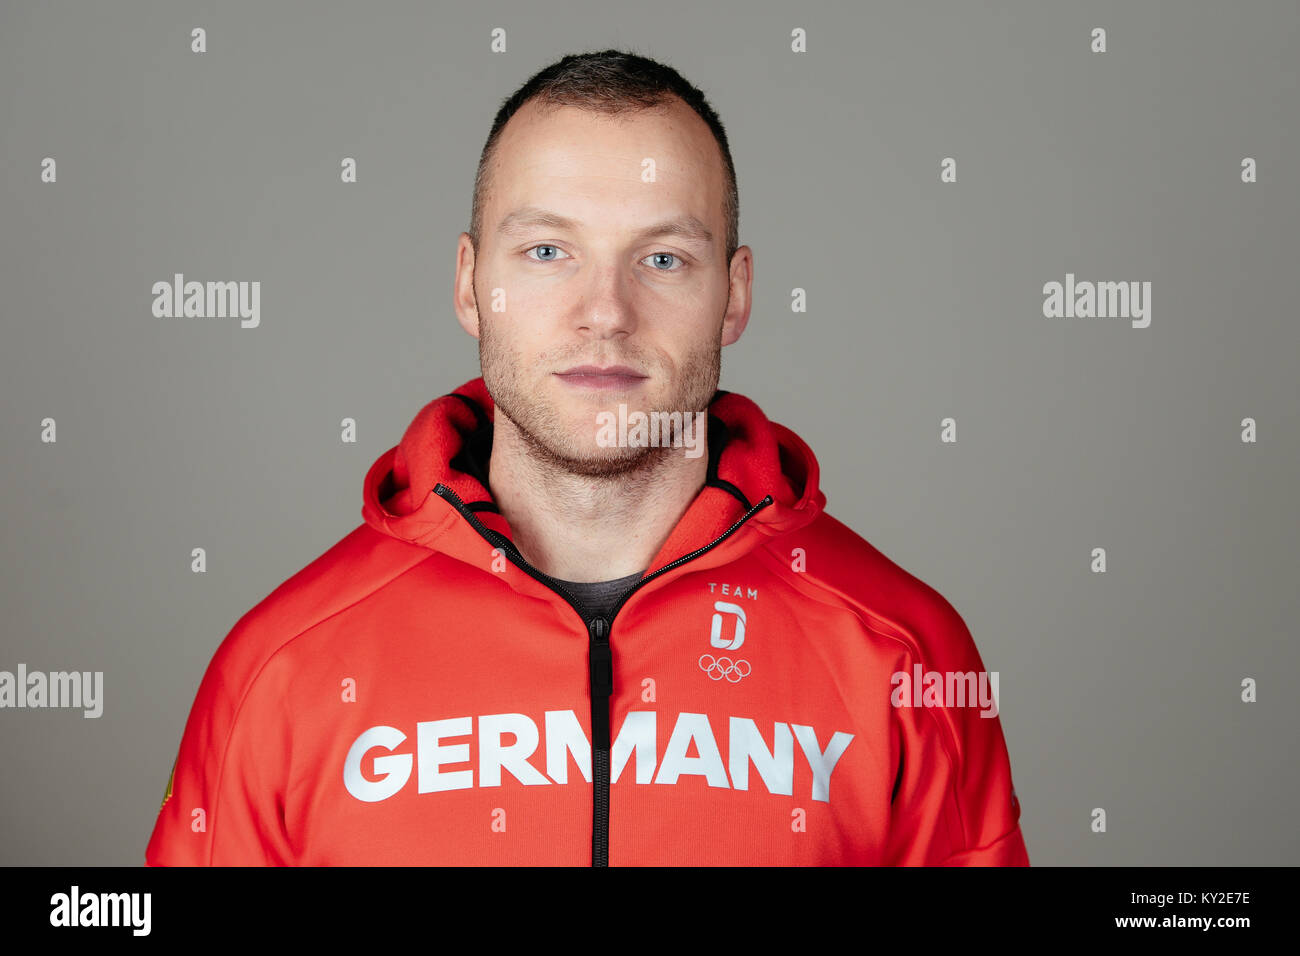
[[583, 528]]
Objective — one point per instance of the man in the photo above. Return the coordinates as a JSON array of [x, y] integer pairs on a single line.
[[562, 636]]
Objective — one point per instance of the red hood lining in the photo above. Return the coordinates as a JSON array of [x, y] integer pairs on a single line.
[[449, 443]]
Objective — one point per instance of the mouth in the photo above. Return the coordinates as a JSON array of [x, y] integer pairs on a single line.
[[593, 376]]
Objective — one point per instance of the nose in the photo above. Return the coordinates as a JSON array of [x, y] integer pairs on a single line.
[[605, 309]]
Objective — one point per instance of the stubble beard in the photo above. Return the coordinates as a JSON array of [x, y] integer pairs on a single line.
[[564, 447]]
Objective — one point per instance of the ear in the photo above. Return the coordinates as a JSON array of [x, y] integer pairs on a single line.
[[742, 279], [463, 297]]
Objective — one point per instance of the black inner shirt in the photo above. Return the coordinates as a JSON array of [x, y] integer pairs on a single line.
[[601, 596]]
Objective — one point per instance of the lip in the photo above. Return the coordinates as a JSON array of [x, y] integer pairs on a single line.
[[619, 371], [595, 377]]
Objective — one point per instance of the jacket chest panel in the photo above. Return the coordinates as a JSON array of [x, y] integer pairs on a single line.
[[466, 744]]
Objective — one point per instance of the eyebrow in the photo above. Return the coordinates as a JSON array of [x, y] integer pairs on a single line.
[[526, 217]]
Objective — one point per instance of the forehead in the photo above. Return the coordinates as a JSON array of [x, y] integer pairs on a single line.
[[597, 164]]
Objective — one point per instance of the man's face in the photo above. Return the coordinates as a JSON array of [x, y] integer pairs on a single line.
[[609, 286]]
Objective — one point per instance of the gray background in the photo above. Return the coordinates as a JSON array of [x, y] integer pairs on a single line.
[[925, 300]]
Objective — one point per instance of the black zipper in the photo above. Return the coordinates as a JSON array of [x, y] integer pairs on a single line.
[[600, 658]]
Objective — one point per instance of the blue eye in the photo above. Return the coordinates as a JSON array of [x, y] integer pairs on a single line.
[[555, 248], [668, 255]]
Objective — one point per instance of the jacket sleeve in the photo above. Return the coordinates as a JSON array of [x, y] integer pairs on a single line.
[[954, 802], [224, 804]]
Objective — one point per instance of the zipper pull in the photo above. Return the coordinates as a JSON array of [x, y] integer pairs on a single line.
[[601, 671]]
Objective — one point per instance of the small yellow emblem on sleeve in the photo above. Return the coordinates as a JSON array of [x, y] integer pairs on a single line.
[[171, 779]]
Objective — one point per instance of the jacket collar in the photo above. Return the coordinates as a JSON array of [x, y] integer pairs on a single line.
[[449, 443]]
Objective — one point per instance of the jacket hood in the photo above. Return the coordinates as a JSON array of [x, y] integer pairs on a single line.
[[449, 444]]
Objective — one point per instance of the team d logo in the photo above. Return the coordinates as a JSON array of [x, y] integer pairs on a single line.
[[728, 636], [717, 637]]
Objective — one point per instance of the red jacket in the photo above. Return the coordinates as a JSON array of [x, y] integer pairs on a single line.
[[419, 694]]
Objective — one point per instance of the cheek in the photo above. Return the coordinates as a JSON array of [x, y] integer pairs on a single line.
[[532, 307]]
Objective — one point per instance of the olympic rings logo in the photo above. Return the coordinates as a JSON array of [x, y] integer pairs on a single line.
[[718, 668]]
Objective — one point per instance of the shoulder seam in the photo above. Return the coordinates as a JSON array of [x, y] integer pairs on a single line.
[[248, 689], [913, 650]]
